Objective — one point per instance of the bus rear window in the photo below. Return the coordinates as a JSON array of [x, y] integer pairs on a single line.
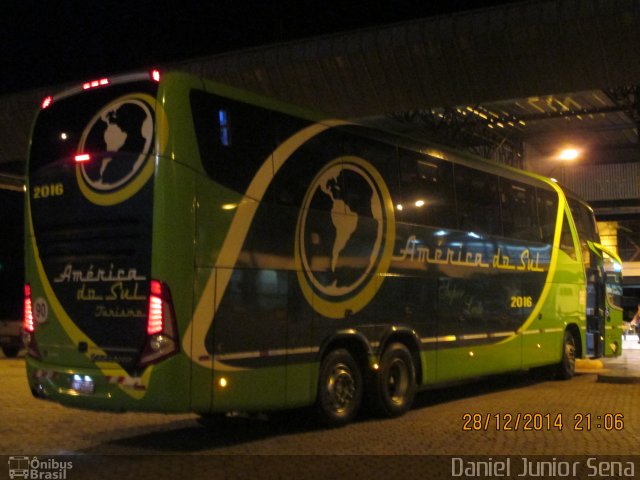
[[110, 119]]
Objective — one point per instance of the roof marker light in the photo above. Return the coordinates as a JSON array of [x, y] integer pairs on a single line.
[[95, 83], [47, 102], [82, 157]]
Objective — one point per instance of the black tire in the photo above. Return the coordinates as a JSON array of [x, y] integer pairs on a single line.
[[566, 369], [339, 388], [10, 352], [394, 384]]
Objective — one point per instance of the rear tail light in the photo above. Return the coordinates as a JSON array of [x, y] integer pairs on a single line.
[[29, 325], [162, 340], [82, 158], [46, 102]]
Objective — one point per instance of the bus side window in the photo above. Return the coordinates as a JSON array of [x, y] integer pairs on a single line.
[[547, 203], [426, 184], [478, 201], [382, 157], [566, 239], [234, 139], [519, 217], [585, 225]]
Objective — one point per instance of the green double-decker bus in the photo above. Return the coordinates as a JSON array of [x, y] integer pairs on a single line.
[[191, 247]]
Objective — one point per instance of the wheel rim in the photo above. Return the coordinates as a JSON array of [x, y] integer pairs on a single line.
[[341, 388], [397, 382]]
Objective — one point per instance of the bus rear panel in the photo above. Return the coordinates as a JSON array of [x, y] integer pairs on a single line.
[[95, 318]]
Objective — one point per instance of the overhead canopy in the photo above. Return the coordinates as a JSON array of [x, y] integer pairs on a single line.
[[514, 51]]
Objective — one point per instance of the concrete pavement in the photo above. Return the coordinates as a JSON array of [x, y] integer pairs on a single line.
[[622, 369], [626, 367]]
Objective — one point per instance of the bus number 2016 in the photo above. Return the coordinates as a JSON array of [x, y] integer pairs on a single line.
[[44, 191], [519, 302]]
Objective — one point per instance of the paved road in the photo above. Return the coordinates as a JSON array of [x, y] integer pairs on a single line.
[[435, 426]]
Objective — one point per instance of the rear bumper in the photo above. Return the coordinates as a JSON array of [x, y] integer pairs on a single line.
[[98, 388]]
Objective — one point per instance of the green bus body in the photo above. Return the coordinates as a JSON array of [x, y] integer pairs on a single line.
[[277, 239]]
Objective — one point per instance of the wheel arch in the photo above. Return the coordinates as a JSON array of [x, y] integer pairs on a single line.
[[355, 342], [574, 330], [410, 339]]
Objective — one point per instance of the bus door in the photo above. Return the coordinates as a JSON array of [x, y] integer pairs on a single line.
[[595, 312], [614, 323], [604, 291]]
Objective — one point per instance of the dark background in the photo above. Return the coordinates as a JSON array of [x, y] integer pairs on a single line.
[[48, 42]]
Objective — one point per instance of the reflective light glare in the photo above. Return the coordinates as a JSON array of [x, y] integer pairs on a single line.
[[47, 102], [82, 384], [95, 83], [222, 382], [229, 206], [399, 207], [82, 157]]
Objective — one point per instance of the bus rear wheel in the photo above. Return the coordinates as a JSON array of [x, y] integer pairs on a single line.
[[339, 388], [567, 366], [394, 384]]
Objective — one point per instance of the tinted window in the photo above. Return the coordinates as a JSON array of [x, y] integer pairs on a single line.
[[547, 202], [519, 217], [586, 227], [234, 139], [585, 223], [381, 156], [426, 183], [566, 239], [478, 201]]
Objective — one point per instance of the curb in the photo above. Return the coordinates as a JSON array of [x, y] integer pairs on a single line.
[[618, 377], [588, 364]]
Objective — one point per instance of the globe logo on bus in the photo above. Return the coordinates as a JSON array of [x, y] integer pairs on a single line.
[[119, 139], [344, 237]]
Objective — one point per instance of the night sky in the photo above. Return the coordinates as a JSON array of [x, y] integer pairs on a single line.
[[50, 42]]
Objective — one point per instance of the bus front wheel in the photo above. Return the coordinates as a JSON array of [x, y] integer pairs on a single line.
[[339, 388], [394, 384], [567, 366]]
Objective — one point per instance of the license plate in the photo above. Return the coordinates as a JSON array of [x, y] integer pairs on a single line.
[[83, 384]]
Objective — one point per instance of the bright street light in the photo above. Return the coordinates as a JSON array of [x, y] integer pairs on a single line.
[[569, 154]]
